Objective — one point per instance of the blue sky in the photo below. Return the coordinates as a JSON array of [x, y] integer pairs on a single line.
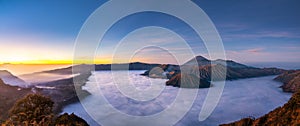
[[252, 31]]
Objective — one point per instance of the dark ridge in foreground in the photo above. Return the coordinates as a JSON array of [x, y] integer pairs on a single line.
[[37, 110], [288, 115], [290, 80], [63, 92], [8, 96]]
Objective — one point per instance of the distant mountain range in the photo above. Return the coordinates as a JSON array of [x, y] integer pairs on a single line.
[[146, 66]]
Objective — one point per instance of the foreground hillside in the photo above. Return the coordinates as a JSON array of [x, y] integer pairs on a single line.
[[288, 114], [36, 110], [61, 91], [8, 96]]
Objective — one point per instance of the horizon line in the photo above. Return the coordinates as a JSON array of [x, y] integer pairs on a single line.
[[106, 63]]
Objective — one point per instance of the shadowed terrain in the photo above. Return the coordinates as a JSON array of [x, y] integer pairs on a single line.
[[207, 70], [61, 91], [8, 96]]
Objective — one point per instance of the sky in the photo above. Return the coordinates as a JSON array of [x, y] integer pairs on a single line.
[[44, 32]]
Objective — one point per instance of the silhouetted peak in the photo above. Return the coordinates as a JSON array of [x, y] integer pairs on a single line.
[[201, 58]]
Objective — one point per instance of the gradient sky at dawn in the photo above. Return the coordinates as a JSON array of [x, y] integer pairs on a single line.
[[35, 31]]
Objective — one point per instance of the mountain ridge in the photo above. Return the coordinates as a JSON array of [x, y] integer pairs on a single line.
[[204, 69], [12, 80]]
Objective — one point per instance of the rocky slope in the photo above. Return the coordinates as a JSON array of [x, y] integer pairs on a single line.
[[287, 115], [8, 96], [233, 73], [187, 81], [70, 120], [290, 80], [233, 69], [61, 91]]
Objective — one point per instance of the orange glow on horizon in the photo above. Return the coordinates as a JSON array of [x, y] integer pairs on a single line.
[[39, 62], [83, 61], [56, 62]]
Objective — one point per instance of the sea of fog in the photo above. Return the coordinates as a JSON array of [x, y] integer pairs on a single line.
[[241, 98], [281, 65]]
